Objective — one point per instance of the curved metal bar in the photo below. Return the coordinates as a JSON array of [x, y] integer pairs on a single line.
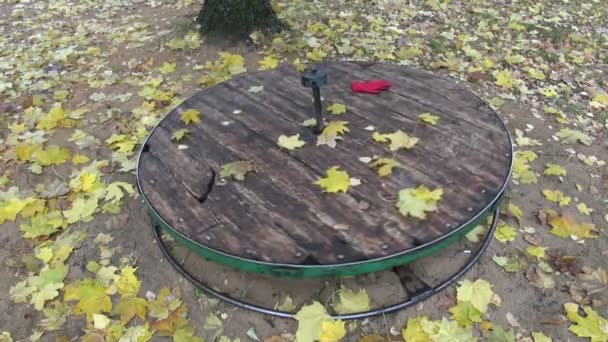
[[360, 315]]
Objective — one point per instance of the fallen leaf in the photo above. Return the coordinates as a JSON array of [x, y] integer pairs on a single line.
[[465, 314], [332, 131], [537, 252], [398, 140], [571, 136], [540, 279], [417, 201], [336, 109], [131, 306], [540, 337], [385, 165], [556, 196], [566, 226], [554, 170], [179, 134], [335, 181], [592, 325], [505, 233], [287, 305], [332, 331], [237, 170], [479, 293], [191, 115], [290, 142], [351, 302], [310, 320], [428, 118]]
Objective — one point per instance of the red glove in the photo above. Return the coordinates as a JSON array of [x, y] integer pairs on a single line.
[[370, 87]]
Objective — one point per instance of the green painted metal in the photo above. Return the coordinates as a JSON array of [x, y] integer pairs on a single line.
[[318, 271]]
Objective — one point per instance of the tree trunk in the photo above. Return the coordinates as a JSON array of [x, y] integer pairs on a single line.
[[238, 18]]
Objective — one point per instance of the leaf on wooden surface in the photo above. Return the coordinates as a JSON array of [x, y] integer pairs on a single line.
[[385, 165], [398, 140], [335, 180], [191, 115], [428, 118], [290, 142], [336, 108], [180, 134], [416, 202], [332, 132], [238, 169]]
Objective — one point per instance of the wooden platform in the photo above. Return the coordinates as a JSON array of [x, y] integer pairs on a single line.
[[278, 214]]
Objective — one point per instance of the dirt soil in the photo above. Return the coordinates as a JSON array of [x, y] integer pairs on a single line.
[[107, 53]]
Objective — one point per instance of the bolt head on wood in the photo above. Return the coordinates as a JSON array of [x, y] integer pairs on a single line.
[[315, 76]]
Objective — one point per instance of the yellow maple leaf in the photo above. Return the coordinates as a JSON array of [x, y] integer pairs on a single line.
[[398, 140], [191, 115], [536, 74], [505, 233], [167, 68], [127, 283], [45, 293], [13, 206], [554, 170], [584, 209], [238, 170], [26, 151], [174, 322], [351, 302], [82, 210], [385, 165], [332, 131], [556, 196], [537, 252], [504, 78], [290, 142], [566, 226], [316, 55], [310, 319], [540, 337], [465, 314], [179, 134], [52, 155], [80, 159], [413, 331], [166, 301], [417, 201], [335, 181], [428, 118], [91, 296], [332, 331], [336, 108], [114, 192], [131, 306], [269, 62], [521, 167], [592, 325], [479, 293]]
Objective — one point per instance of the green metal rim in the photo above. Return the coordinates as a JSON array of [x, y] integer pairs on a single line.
[[317, 271], [328, 270]]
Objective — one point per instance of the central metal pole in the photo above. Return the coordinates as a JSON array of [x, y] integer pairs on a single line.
[[316, 93]]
